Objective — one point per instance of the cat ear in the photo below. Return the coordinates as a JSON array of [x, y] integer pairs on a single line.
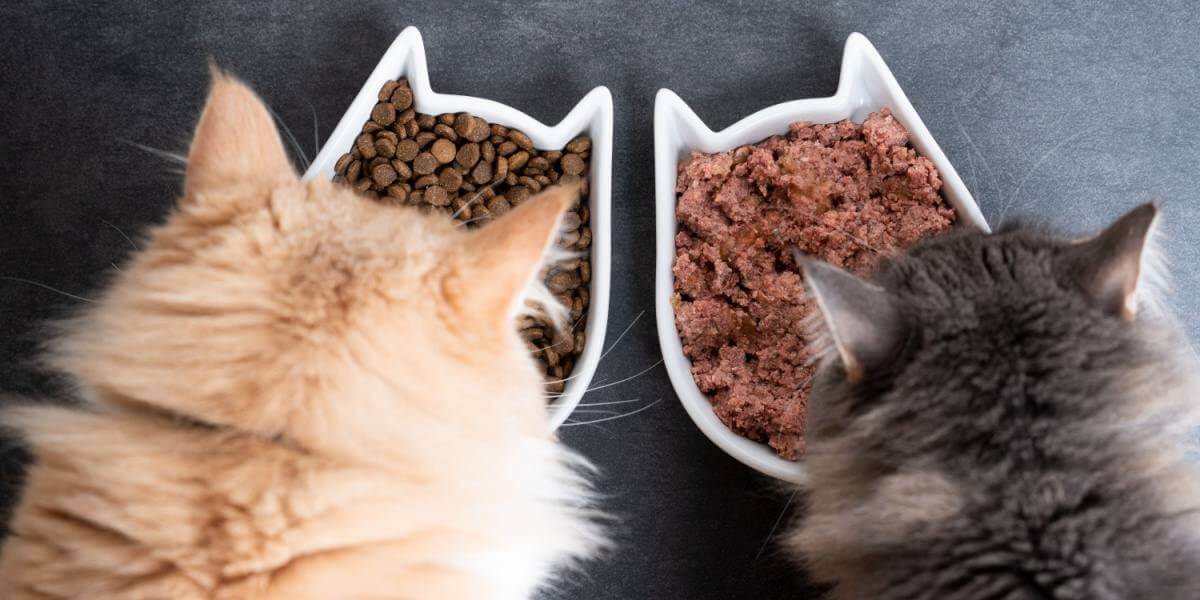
[[1109, 266], [502, 257], [236, 142], [862, 319]]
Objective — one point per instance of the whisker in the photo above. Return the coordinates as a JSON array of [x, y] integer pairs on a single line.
[[478, 195], [171, 156], [46, 287], [291, 138], [596, 412], [610, 403], [776, 525], [622, 336], [316, 131], [614, 417], [118, 230], [631, 377], [608, 431]]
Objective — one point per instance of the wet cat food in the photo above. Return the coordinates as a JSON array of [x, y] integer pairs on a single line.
[[475, 171], [845, 193]]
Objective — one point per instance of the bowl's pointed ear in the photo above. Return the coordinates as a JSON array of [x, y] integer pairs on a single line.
[[862, 319], [235, 144], [1109, 266]]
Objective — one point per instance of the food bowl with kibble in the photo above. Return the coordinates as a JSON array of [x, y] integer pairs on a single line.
[[866, 85], [591, 116]]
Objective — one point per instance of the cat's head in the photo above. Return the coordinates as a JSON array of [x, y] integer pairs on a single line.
[[301, 310]]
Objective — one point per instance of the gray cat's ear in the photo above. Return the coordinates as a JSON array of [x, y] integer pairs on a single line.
[[1109, 266], [862, 319]]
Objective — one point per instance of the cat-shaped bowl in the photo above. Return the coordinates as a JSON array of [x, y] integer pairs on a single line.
[[866, 85], [593, 115]]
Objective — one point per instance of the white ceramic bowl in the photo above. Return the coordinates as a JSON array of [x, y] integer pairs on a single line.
[[866, 85], [593, 115]]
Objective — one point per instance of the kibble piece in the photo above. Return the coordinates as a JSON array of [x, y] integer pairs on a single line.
[[402, 97], [479, 130], [488, 192], [511, 179], [505, 147], [425, 181], [571, 220], [397, 192], [542, 179], [451, 179], [383, 175], [412, 128], [487, 151], [499, 130], [585, 271], [371, 127], [354, 170], [343, 163], [579, 144], [482, 173], [447, 118], [425, 138], [426, 121], [531, 183], [363, 184], [407, 150], [562, 281], [445, 131], [501, 168], [437, 196], [468, 155], [540, 163], [416, 196], [403, 171], [520, 139], [518, 194], [384, 113], [552, 156], [443, 151], [424, 164], [385, 93], [461, 209], [585, 237], [499, 205], [468, 186], [571, 164], [385, 147], [518, 160], [495, 139], [365, 144], [569, 238]]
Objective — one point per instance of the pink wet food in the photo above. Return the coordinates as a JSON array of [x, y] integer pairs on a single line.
[[845, 193]]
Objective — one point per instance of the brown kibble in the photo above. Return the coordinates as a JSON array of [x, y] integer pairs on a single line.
[[501, 168], [499, 205], [585, 237], [402, 97], [495, 140], [571, 220], [365, 144], [550, 356], [426, 121], [442, 150], [579, 144], [425, 138], [542, 179], [487, 152], [468, 186], [437, 196], [397, 192], [511, 179], [532, 172], [383, 175], [562, 281], [412, 128], [424, 164], [343, 163], [520, 139], [479, 130], [406, 150], [416, 196], [463, 124], [499, 130], [552, 156], [385, 93], [354, 170], [540, 163], [447, 118], [583, 212], [571, 164], [518, 194], [362, 185], [339, 179], [371, 127], [569, 238], [385, 147], [482, 173], [553, 175], [460, 207], [505, 148], [425, 181], [403, 171], [556, 386], [445, 131], [451, 179], [468, 155], [384, 113], [406, 117], [518, 160], [580, 341], [585, 271]]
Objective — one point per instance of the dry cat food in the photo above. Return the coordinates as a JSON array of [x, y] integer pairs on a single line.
[[475, 171], [845, 193]]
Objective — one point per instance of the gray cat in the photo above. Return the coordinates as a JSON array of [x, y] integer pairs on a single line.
[[993, 422]]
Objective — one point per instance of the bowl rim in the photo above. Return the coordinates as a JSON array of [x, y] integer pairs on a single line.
[[593, 115], [865, 84]]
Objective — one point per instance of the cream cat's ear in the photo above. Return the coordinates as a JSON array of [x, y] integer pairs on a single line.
[[236, 143], [502, 258], [862, 319], [1110, 267]]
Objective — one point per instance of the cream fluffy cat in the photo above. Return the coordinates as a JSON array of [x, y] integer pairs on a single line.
[[294, 392]]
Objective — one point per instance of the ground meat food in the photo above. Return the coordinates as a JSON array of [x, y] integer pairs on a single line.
[[845, 193]]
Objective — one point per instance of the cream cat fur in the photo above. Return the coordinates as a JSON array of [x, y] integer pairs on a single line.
[[294, 392]]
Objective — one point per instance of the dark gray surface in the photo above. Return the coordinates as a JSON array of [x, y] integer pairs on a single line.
[[1069, 113]]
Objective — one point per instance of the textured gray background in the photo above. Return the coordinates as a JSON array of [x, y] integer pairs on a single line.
[[1067, 113]]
